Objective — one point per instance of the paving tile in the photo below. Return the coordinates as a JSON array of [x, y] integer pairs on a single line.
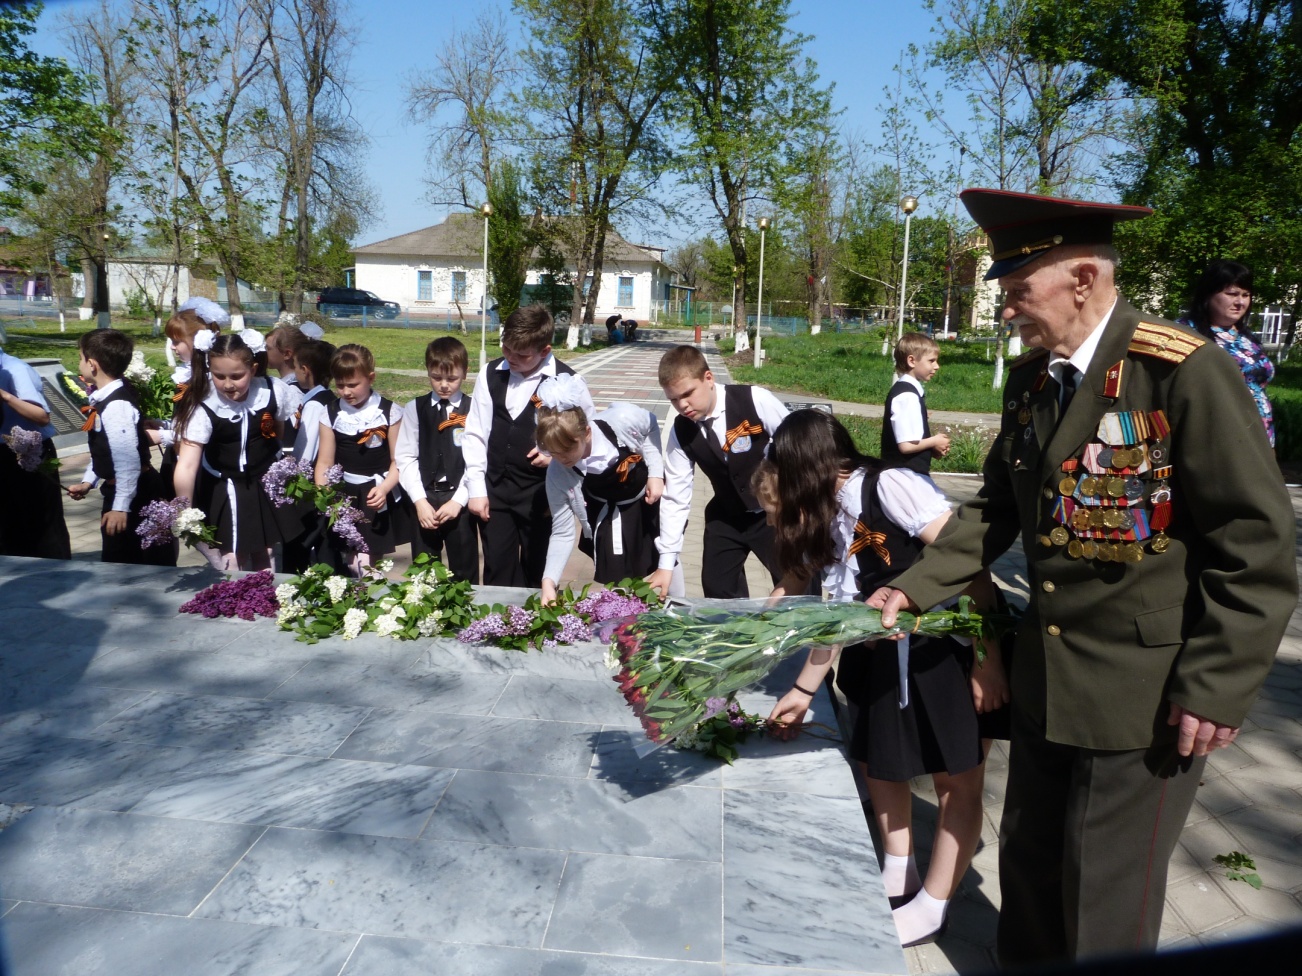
[[115, 860], [1267, 830], [382, 686], [473, 742], [409, 957], [973, 922], [1267, 904], [562, 700], [388, 887], [1238, 929], [1272, 748], [1230, 758], [1201, 904], [578, 815], [216, 724], [66, 709], [45, 940], [291, 791], [55, 771], [191, 671], [1221, 796], [617, 761], [1184, 865], [667, 909], [5, 906], [791, 841], [1204, 841]]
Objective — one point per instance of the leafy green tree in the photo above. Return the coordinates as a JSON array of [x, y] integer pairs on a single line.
[[745, 93], [1214, 141], [511, 236]]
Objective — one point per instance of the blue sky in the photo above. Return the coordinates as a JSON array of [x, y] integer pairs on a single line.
[[856, 43]]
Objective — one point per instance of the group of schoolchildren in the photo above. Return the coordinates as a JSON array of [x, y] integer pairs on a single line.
[[529, 468]]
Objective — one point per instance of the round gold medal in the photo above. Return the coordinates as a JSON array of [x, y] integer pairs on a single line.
[[1104, 555], [1044, 540], [1112, 518], [1133, 553], [1067, 486], [1089, 486], [1089, 549], [1059, 536], [1116, 487], [1160, 542], [1075, 549]]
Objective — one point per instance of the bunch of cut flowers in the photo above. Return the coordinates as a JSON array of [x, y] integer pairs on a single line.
[[426, 602], [154, 387], [246, 597], [162, 522], [674, 664], [29, 445], [725, 726], [292, 480], [570, 620], [75, 388]]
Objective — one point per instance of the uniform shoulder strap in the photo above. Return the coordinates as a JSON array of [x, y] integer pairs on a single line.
[[1168, 342], [1028, 357]]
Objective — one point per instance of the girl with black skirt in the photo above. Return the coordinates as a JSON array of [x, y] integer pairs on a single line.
[[603, 484], [919, 702], [357, 433]]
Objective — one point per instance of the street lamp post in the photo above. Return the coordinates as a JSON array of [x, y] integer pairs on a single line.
[[759, 305], [908, 205], [487, 211]]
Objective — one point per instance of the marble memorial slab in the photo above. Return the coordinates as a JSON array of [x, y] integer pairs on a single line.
[[212, 797]]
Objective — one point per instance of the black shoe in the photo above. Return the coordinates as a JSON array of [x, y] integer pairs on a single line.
[[930, 936]]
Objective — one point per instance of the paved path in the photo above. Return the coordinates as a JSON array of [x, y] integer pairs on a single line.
[[1250, 800]]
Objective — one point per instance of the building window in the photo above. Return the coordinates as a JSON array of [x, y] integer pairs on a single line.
[[625, 292], [458, 286], [424, 286]]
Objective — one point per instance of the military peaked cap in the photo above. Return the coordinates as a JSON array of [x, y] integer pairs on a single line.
[[1023, 226]]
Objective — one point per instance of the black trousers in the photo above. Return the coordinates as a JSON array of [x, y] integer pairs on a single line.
[[31, 508], [125, 547], [460, 537], [1085, 844], [731, 536], [516, 534]]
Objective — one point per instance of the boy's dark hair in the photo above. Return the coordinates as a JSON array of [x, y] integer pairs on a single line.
[[912, 344], [315, 356], [447, 354], [351, 359], [682, 361], [108, 347], [288, 339], [529, 329]]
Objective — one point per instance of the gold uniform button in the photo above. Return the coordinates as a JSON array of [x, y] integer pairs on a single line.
[[1054, 630], [1048, 586]]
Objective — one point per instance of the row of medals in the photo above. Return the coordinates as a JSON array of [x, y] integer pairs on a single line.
[[1113, 486]]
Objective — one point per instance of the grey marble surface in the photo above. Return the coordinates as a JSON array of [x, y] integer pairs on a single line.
[[213, 797]]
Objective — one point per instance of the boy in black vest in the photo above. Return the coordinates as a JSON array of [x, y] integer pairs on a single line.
[[119, 451], [907, 440], [312, 370], [431, 465], [724, 429], [505, 472]]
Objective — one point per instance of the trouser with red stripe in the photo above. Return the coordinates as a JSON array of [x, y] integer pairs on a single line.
[[1084, 845]]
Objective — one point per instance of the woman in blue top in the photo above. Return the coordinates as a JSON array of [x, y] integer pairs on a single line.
[[1219, 310]]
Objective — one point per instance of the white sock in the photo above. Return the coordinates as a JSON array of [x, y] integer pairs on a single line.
[[900, 875], [920, 917]]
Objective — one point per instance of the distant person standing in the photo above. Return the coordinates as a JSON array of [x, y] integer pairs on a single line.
[[907, 440], [31, 497], [1219, 310]]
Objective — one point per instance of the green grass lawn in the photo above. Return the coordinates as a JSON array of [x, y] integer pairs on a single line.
[[852, 368]]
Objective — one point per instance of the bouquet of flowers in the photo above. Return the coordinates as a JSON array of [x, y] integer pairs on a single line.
[[28, 445], [154, 388], [567, 621], [74, 388], [162, 521], [674, 663], [427, 602], [290, 480], [246, 597]]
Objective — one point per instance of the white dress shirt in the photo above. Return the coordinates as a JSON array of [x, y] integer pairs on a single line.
[[1084, 354], [406, 449], [633, 427], [118, 421], [906, 412], [480, 420], [307, 438], [680, 470]]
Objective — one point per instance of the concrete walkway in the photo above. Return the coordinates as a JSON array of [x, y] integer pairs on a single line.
[[1250, 800]]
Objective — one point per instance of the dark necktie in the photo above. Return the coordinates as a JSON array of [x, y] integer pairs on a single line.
[[707, 431], [440, 466], [1067, 390]]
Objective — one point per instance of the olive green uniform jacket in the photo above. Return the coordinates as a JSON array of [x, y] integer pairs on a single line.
[[1105, 645]]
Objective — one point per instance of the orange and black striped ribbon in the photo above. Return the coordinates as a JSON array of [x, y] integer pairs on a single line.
[[180, 392], [743, 429], [626, 465], [267, 425], [454, 420], [865, 537], [381, 432], [91, 413]]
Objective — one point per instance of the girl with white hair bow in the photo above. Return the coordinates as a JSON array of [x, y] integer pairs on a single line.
[[604, 483]]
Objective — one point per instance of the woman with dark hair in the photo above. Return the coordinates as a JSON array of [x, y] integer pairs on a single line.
[[1219, 310], [837, 511]]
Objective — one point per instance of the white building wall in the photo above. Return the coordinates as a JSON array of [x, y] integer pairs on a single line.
[[155, 280], [395, 279]]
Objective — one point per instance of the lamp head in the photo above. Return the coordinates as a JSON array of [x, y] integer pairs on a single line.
[[486, 210], [763, 223], [909, 204]]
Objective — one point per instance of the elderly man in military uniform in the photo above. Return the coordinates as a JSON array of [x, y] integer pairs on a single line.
[[1159, 546]]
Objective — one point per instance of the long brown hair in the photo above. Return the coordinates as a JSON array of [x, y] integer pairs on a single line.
[[810, 450], [230, 346]]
